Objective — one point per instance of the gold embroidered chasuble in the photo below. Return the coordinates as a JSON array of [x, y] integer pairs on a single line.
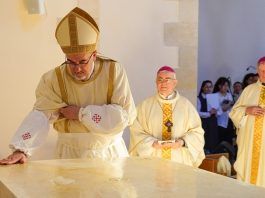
[[257, 140], [250, 160], [166, 132], [153, 124]]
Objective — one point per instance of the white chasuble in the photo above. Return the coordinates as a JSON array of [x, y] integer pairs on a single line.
[[153, 123], [107, 107], [250, 160]]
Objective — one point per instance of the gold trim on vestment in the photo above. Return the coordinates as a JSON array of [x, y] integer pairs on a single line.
[[257, 140], [111, 82], [61, 84], [166, 135], [64, 97]]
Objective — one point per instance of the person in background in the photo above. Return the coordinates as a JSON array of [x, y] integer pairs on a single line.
[[167, 125], [208, 118], [248, 79], [225, 125], [237, 90], [87, 98], [248, 117], [255, 78]]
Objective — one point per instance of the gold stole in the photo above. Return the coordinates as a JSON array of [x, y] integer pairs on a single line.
[[166, 135], [257, 138]]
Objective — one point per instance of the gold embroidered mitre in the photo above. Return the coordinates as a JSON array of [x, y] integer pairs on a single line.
[[77, 32]]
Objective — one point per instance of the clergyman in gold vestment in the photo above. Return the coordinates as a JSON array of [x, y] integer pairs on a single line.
[[248, 117], [167, 125]]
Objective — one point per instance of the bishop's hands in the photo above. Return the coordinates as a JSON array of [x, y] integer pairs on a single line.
[[70, 112], [178, 143], [15, 158], [255, 111]]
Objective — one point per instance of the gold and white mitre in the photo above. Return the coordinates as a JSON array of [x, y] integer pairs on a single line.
[[77, 32]]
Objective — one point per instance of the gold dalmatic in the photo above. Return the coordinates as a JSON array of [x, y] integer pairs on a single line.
[[257, 138], [166, 129]]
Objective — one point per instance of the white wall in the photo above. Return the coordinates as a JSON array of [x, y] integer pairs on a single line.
[[231, 38]]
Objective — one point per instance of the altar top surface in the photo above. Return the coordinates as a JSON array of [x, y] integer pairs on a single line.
[[128, 177]]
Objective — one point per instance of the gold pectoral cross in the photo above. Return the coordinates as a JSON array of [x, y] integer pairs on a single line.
[[169, 125]]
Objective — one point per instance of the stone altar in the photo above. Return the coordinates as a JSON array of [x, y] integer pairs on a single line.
[[128, 177]]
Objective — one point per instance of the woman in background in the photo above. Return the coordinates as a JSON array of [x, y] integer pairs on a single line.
[[225, 126], [208, 118], [248, 79]]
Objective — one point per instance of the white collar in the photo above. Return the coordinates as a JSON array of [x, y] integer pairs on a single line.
[[169, 97]]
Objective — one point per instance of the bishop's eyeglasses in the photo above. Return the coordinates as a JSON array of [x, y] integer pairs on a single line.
[[73, 64]]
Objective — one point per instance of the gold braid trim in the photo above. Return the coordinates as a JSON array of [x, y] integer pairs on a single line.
[[257, 138], [64, 97], [167, 116], [111, 82]]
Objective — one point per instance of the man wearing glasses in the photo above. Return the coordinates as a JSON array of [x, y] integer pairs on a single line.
[[87, 98], [167, 125]]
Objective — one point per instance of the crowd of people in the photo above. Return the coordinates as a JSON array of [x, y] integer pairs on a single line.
[[219, 128], [222, 122], [88, 100]]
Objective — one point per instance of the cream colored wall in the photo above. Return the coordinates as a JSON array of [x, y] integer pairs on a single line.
[[28, 49], [142, 35]]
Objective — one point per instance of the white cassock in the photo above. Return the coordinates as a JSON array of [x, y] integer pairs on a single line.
[[150, 126], [250, 162], [107, 108]]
